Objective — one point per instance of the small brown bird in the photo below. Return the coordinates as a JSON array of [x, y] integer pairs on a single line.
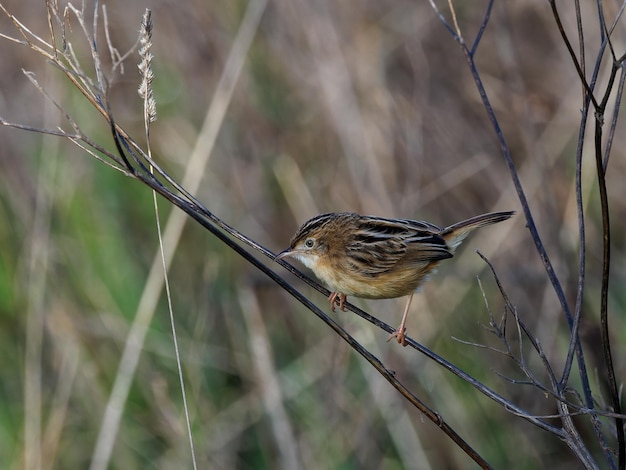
[[377, 258]]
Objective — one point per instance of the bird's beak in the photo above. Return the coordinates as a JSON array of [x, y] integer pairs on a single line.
[[284, 254]]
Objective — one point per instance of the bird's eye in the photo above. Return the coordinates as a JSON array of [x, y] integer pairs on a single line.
[[309, 243]]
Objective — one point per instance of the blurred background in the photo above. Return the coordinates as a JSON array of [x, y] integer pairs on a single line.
[[363, 106]]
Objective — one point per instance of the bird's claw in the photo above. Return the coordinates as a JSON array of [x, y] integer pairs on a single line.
[[333, 298], [399, 334]]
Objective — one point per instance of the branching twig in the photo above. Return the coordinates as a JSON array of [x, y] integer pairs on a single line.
[[599, 106]]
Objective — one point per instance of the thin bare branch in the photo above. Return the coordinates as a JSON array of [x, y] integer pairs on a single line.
[[611, 134], [568, 45], [483, 27]]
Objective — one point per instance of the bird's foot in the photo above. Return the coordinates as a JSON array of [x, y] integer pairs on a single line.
[[399, 335], [333, 298]]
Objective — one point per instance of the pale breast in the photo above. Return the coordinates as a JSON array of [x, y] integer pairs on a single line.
[[389, 285]]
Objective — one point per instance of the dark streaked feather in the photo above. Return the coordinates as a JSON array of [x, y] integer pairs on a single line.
[[388, 241], [313, 225]]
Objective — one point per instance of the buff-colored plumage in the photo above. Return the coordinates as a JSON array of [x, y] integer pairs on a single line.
[[377, 258]]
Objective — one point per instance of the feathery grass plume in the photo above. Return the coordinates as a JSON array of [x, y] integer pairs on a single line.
[[145, 67]]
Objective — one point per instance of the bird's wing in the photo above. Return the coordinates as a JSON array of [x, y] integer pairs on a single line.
[[379, 244]]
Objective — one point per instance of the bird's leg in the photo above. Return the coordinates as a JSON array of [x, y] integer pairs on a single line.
[[399, 333], [342, 300]]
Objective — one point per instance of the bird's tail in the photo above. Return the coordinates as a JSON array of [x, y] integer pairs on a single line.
[[456, 233]]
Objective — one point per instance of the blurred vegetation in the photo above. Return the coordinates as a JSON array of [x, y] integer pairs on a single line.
[[365, 106]]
